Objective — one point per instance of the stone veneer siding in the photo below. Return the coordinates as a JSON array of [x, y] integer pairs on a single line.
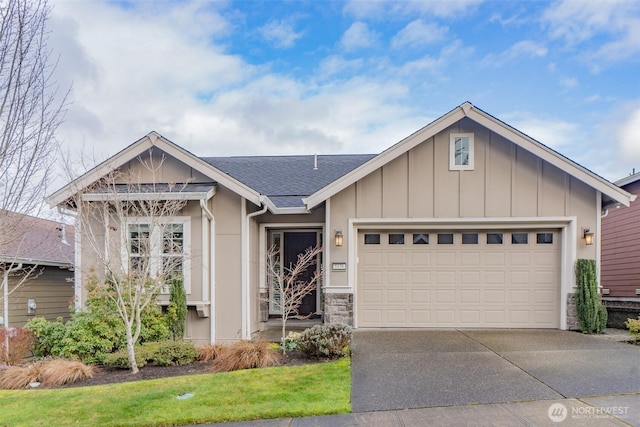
[[572, 313], [338, 308]]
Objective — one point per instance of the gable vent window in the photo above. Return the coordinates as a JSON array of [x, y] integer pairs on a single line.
[[461, 151]]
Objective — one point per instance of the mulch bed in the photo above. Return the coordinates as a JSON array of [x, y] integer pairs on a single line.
[[105, 375]]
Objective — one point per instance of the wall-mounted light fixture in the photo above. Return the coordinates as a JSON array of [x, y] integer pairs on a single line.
[[338, 236], [587, 234]]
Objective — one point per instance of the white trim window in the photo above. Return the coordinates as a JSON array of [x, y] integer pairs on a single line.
[[160, 249], [461, 151]]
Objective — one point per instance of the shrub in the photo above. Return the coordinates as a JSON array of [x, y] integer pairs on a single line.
[[328, 340], [52, 372], [247, 355], [290, 342], [57, 372], [19, 377], [634, 328], [168, 353], [211, 352], [120, 358], [20, 340], [592, 316], [177, 310], [48, 336], [163, 353], [93, 334]]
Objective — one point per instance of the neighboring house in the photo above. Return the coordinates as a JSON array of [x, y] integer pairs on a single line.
[[465, 223], [620, 269], [36, 261]]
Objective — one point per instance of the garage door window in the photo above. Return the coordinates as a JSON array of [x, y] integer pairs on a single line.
[[396, 239], [445, 239], [420, 239], [469, 238], [494, 238], [371, 239], [545, 238], [519, 238]]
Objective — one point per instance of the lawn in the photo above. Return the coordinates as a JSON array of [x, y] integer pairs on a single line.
[[289, 391]]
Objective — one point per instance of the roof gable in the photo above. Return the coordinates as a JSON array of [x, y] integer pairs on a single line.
[[139, 147], [611, 192]]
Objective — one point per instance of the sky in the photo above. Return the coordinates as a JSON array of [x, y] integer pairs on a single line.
[[223, 78]]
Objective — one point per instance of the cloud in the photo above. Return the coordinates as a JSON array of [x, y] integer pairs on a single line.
[[417, 33], [358, 36], [281, 33], [521, 49], [628, 137], [383, 9], [611, 28], [554, 133]]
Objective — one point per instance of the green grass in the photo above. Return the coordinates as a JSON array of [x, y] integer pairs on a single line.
[[296, 391]]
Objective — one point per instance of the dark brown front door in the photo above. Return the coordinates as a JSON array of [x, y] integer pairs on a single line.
[[296, 242]]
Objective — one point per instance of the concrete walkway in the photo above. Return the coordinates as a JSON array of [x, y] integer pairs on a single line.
[[487, 377], [624, 410]]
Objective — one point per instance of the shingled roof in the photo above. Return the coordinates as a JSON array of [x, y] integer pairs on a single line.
[[32, 240], [286, 180]]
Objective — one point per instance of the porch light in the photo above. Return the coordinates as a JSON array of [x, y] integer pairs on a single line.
[[338, 237], [588, 236]]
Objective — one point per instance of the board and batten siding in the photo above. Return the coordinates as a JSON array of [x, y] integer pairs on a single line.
[[507, 182], [52, 291], [620, 271]]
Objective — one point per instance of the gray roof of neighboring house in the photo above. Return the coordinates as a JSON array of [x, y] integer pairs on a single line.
[[288, 179], [32, 240], [634, 177]]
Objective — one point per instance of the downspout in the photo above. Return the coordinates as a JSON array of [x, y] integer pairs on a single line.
[[77, 255], [212, 267], [246, 302]]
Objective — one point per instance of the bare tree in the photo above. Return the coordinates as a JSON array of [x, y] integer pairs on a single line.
[[128, 228], [288, 283], [30, 113]]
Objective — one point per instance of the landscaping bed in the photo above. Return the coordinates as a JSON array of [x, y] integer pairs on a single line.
[[106, 375]]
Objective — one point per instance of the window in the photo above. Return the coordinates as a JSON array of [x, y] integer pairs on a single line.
[[445, 239], [158, 250], [461, 151], [494, 238], [519, 238], [469, 238], [420, 239], [396, 239], [371, 239], [544, 238]]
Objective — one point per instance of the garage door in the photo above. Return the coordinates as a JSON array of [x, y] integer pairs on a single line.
[[423, 278]]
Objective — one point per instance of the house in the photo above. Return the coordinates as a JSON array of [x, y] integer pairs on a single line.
[[465, 223], [620, 268], [36, 268]]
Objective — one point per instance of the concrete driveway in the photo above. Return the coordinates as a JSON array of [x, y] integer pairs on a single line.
[[417, 368]]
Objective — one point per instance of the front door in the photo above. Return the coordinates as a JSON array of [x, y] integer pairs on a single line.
[[290, 244], [296, 243]]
